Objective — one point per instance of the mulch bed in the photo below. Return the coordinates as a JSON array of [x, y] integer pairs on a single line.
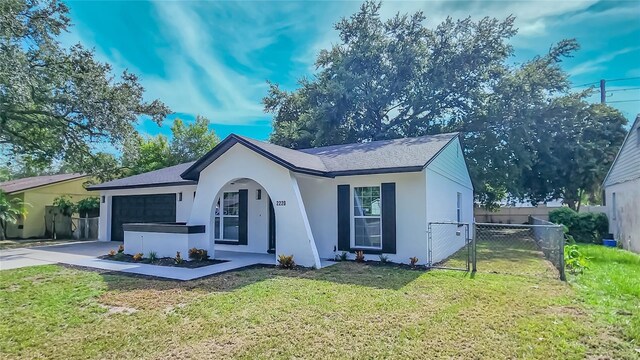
[[166, 261], [387, 264]]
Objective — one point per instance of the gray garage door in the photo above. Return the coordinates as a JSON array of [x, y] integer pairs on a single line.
[[140, 209]]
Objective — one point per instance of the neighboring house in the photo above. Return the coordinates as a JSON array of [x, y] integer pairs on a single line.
[[39, 192], [252, 196], [622, 191]]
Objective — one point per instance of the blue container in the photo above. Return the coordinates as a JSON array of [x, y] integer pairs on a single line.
[[609, 242]]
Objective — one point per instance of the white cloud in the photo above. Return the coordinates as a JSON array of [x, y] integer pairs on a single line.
[[599, 63]]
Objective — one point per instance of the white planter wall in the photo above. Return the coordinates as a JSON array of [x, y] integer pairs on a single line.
[[164, 244]]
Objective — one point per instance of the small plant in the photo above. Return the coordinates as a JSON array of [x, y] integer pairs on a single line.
[[153, 256], [359, 256], [198, 254], [286, 261], [178, 260], [384, 258], [137, 257], [119, 256], [343, 256], [112, 253], [413, 261], [120, 249], [574, 259]]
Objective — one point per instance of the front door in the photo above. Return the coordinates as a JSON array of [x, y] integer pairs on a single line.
[[272, 228]]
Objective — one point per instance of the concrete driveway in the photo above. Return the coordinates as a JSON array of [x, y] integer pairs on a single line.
[[70, 253]]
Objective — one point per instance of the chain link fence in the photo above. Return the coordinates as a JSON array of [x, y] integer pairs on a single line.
[[450, 245], [535, 249]]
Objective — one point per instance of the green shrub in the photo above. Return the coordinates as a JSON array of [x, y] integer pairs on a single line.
[[178, 260], [384, 258], [120, 249], [564, 216], [584, 227], [88, 206], [574, 260], [153, 256], [343, 256], [286, 261]]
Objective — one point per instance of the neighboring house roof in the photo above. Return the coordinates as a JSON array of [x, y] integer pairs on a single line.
[[169, 176], [20, 185], [384, 156], [626, 165]]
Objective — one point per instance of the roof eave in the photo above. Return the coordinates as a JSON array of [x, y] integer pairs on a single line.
[[43, 185], [137, 186], [635, 122]]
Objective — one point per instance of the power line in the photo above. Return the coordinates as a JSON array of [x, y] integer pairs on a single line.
[[622, 101], [597, 82], [627, 89], [621, 79]]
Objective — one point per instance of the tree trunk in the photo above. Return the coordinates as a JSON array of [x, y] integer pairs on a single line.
[[580, 194]]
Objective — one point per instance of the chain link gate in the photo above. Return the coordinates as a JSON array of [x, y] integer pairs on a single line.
[[450, 246]]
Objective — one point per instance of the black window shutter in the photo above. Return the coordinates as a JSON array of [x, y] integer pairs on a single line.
[[243, 196], [389, 218], [344, 218]]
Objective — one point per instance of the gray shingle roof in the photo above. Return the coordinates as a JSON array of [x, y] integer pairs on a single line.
[[19, 185], [168, 176], [399, 155], [383, 154], [300, 159]]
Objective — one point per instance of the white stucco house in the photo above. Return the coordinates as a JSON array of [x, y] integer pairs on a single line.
[[252, 196], [622, 191]]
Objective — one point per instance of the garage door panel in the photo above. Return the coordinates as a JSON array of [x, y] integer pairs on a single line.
[[141, 209]]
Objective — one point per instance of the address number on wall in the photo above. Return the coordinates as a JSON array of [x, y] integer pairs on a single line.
[[281, 203]]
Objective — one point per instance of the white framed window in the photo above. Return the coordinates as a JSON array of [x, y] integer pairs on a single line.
[[227, 217], [367, 219], [459, 207]]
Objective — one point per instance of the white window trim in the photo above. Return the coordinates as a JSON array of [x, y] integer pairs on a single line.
[[459, 207], [613, 206], [354, 217], [222, 216]]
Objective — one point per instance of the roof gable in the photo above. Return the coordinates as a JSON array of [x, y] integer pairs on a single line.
[[24, 184], [626, 165]]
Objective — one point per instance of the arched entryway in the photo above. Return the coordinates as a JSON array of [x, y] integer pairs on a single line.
[[243, 218], [292, 231]]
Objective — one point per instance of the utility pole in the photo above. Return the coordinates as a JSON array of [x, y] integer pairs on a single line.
[[603, 93]]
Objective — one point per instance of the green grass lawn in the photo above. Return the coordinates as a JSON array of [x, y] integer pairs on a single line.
[[611, 286], [345, 311], [506, 251]]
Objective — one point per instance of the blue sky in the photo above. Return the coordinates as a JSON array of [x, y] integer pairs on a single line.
[[213, 58]]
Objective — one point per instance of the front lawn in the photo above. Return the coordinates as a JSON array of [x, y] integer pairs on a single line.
[[348, 310]]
